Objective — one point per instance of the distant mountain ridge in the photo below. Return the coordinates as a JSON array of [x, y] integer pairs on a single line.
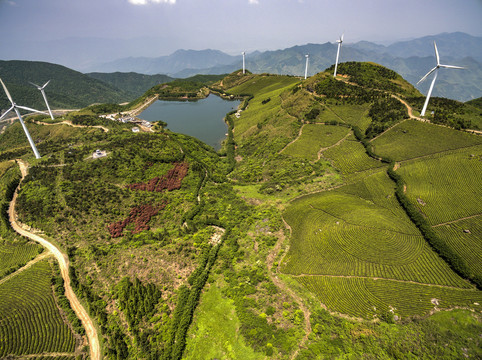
[[124, 79], [171, 64], [412, 59]]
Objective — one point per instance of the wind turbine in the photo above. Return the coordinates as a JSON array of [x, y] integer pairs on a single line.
[[244, 67], [339, 41], [16, 107], [41, 88], [435, 69], [307, 56]]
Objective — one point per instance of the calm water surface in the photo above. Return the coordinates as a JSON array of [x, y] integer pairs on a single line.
[[202, 119]]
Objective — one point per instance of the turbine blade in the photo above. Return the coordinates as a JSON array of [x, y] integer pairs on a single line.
[[43, 87], [6, 92], [427, 74], [38, 87], [436, 53], [451, 66], [341, 38], [6, 112], [30, 109]]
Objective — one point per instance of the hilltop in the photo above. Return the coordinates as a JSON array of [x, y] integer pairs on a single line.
[[334, 222], [67, 89]]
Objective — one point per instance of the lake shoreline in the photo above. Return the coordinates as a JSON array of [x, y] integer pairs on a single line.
[[202, 118]]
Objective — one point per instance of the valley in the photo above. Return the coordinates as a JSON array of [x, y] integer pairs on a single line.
[[333, 222]]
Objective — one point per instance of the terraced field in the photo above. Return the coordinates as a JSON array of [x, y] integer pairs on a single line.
[[350, 157], [14, 254], [344, 239], [366, 298], [356, 115], [463, 237], [446, 188], [340, 234], [411, 139], [257, 112], [263, 84], [30, 322], [313, 138]]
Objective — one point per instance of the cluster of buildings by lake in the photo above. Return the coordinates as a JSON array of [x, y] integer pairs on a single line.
[[127, 119]]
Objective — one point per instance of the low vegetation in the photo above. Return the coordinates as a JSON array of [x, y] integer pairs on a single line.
[[174, 246]]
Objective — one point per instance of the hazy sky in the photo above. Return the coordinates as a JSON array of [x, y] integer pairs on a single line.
[[236, 25]]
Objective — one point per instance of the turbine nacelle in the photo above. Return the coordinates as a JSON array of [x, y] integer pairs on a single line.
[[38, 86], [41, 88]]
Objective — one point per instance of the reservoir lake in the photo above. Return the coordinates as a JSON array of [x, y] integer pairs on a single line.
[[202, 119]]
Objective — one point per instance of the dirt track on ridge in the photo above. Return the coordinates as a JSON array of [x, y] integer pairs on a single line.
[[79, 310], [67, 122]]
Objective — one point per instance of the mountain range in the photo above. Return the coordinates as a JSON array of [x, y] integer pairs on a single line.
[[411, 59], [127, 78]]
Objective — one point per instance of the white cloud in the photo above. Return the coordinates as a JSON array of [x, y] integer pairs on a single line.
[[254, 2], [8, 2], [145, 2]]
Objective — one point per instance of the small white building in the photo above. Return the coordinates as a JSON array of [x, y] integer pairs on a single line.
[[135, 129], [98, 154]]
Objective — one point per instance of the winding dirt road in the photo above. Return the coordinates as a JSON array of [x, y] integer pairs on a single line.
[[69, 123], [79, 310]]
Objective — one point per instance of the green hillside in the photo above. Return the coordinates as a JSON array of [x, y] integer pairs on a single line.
[[476, 102], [331, 225], [137, 84], [68, 89], [133, 83]]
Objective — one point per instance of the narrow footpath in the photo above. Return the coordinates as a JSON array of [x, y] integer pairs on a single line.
[[63, 261]]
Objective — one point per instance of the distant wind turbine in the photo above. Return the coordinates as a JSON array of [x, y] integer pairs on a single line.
[[16, 107], [307, 56], [339, 41], [244, 66], [435, 69], [41, 88]]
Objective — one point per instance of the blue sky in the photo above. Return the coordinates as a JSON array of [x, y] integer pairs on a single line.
[[235, 25]]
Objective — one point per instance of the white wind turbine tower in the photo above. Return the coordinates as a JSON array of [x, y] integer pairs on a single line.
[[244, 66], [307, 56], [41, 88], [435, 69], [339, 41], [16, 107]]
